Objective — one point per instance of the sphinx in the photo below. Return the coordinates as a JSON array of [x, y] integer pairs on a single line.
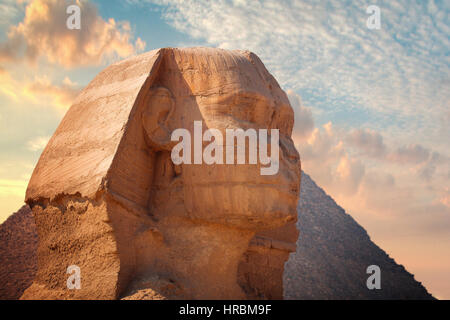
[[107, 197]]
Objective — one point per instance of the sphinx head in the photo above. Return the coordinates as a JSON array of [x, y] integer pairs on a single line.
[[211, 94], [107, 182]]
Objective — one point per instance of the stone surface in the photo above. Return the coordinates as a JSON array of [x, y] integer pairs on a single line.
[[18, 245], [107, 197], [332, 254]]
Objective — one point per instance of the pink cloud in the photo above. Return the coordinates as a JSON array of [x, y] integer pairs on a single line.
[[413, 154], [43, 33], [303, 122], [368, 142]]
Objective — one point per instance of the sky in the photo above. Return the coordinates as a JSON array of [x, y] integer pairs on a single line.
[[372, 110]]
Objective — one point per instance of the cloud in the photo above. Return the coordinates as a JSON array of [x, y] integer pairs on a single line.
[[304, 122], [397, 77], [380, 195], [414, 154], [322, 144], [43, 34], [445, 197], [8, 10], [325, 157], [350, 172], [367, 175], [39, 90], [60, 95], [38, 143], [368, 142]]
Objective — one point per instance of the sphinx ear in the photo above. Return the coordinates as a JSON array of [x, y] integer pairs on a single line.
[[159, 105]]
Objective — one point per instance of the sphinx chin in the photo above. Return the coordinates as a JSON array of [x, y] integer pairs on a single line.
[[108, 199]]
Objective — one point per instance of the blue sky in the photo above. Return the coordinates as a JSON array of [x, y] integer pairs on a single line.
[[371, 106]]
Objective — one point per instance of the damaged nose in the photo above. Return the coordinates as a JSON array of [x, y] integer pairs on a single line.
[[290, 158]]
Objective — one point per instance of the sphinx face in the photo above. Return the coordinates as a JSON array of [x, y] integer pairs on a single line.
[[230, 93]]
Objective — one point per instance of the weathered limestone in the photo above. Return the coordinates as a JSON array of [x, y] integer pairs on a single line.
[[107, 197], [261, 268]]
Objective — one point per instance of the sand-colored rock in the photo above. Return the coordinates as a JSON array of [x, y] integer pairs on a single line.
[[107, 197], [18, 245]]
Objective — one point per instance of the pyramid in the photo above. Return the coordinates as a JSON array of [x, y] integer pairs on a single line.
[[333, 253]]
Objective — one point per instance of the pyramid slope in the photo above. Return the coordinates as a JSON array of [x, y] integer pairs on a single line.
[[333, 252], [18, 245]]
